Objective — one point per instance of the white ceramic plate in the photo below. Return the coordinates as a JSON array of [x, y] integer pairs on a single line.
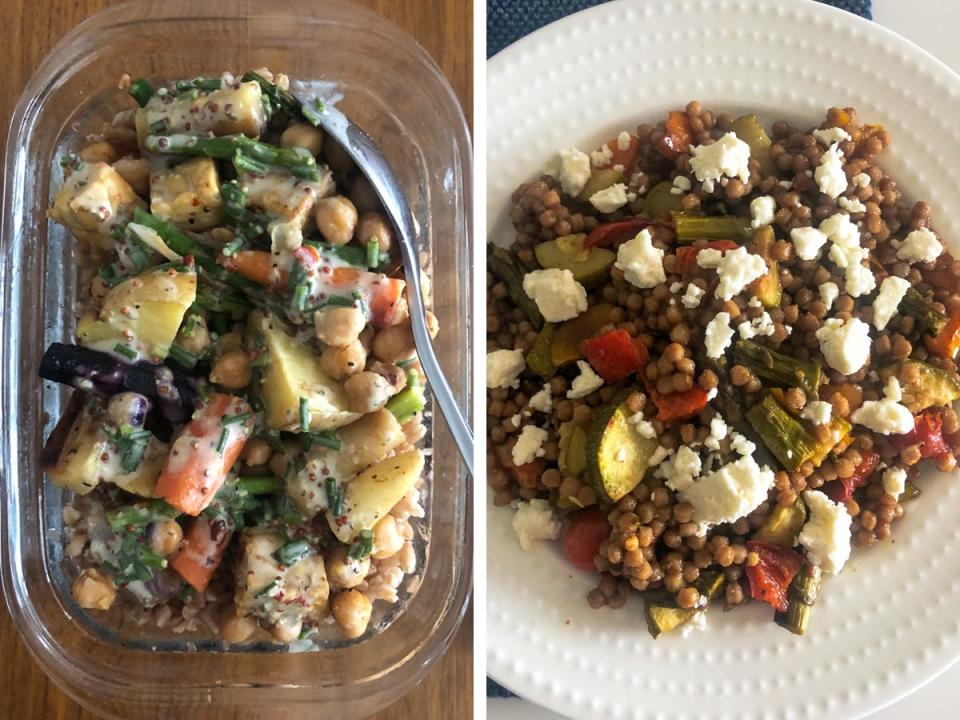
[[889, 623]]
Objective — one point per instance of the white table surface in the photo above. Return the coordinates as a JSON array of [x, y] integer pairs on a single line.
[[932, 25]]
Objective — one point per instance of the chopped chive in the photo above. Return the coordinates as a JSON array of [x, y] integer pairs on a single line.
[[362, 546], [158, 127], [304, 415], [222, 442], [190, 325], [182, 357], [292, 553], [300, 295], [108, 274], [334, 497], [239, 418], [326, 438], [261, 360], [313, 110], [373, 253], [340, 301], [231, 247], [259, 485], [141, 90], [268, 589], [138, 257], [127, 352]]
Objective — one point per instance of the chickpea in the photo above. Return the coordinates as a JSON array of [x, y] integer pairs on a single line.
[[194, 336], [237, 628], [165, 536], [387, 538], [373, 226], [232, 370], [336, 219], [342, 362], [98, 152], [257, 452], [94, 591], [136, 172], [352, 610], [394, 343], [128, 408], [345, 571], [337, 158], [433, 325], [339, 326], [304, 136], [367, 392], [393, 374], [286, 630]]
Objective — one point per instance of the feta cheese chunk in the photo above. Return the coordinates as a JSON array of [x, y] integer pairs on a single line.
[[534, 521], [504, 368], [572, 169], [529, 445], [680, 471], [828, 293], [826, 534], [556, 292], [818, 412], [602, 157], [542, 400], [741, 445], [731, 492], [737, 269], [610, 199], [709, 258], [691, 298], [845, 345], [892, 290], [920, 246], [860, 180], [886, 416], [851, 205], [681, 184], [894, 482], [727, 157], [623, 141], [584, 383], [807, 242], [761, 211], [829, 173], [762, 325], [641, 262], [718, 335], [645, 428], [831, 135]]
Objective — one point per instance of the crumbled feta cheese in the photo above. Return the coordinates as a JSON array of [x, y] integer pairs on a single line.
[[679, 473], [602, 157], [894, 482], [731, 492], [920, 246], [761, 210], [762, 325], [529, 445], [818, 412], [610, 199], [727, 157], [718, 428], [845, 345], [740, 444], [826, 534], [718, 335], [556, 292], [711, 394], [828, 293], [829, 173], [572, 169], [859, 279], [892, 290], [697, 621], [861, 180], [584, 383], [504, 367], [675, 287], [892, 390], [851, 205], [621, 455], [534, 521], [691, 298], [754, 302], [623, 141], [542, 400], [658, 456], [516, 419], [886, 416], [737, 269], [709, 258], [641, 262], [645, 429], [841, 230], [786, 184], [807, 242], [681, 184], [831, 135]]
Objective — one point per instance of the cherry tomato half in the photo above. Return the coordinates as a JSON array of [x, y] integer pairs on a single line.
[[583, 536]]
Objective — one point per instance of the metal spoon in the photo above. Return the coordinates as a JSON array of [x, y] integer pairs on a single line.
[[371, 162]]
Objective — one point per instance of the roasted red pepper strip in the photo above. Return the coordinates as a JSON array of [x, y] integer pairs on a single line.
[[771, 576], [687, 255], [841, 489], [927, 433], [526, 475], [942, 276], [615, 355], [948, 341], [678, 137], [627, 157], [612, 233], [678, 405]]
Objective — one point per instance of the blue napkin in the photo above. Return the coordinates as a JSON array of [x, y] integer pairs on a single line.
[[510, 20]]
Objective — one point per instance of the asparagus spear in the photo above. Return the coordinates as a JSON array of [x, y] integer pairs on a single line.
[[696, 227], [506, 268], [802, 595], [298, 161], [928, 319], [777, 368], [281, 99], [783, 435]]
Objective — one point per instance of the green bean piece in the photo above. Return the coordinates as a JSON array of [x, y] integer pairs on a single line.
[[782, 434], [801, 596], [297, 160], [778, 369], [701, 227]]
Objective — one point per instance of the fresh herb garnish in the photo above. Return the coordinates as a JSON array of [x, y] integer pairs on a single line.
[[304, 415], [182, 357], [131, 444], [141, 90], [373, 253], [292, 553], [334, 496], [222, 441], [362, 546], [126, 351]]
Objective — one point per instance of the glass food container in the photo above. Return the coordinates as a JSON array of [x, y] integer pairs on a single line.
[[391, 88]]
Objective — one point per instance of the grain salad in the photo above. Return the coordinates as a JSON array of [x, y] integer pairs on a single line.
[[243, 444], [742, 357]]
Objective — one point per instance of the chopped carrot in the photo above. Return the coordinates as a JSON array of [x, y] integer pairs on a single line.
[[203, 454], [255, 265], [199, 556], [678, 137], [947, 342]]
